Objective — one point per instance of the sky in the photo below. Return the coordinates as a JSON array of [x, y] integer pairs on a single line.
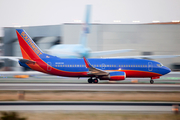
[[55, 12]]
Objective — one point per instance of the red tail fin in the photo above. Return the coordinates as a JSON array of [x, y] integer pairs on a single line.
[[29, 49]]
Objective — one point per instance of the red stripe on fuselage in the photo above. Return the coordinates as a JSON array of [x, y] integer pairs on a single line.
[[135, 73]]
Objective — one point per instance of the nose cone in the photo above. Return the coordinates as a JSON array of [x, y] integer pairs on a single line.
[[166, 70]]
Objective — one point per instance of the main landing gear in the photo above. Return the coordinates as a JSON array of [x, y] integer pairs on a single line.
[[91, 80], [152, 81]]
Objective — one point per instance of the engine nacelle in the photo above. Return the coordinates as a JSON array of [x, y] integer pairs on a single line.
[[114, 76]]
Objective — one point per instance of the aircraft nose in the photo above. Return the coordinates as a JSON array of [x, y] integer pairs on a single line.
[[166, 70]]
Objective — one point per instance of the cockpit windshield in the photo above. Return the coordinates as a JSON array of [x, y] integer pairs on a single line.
[[160, 65]]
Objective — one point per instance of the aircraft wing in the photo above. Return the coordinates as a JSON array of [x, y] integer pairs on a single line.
[[11, 58], [149, 56], [94, 71], [102, 53]]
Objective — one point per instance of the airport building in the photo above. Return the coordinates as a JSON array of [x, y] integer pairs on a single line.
[[145, 39]]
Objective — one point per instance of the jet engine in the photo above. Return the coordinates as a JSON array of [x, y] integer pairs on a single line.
[[114, 76]]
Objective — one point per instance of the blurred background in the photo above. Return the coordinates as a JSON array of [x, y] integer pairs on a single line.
[[148, 27]]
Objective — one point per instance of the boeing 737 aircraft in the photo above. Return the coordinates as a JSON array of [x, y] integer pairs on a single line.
[[112, 69]]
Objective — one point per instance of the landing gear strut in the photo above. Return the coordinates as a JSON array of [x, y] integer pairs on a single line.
[[151, 81], [91, 80]]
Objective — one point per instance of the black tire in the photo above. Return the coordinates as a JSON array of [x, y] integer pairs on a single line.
[[90, 80], [152, 81]]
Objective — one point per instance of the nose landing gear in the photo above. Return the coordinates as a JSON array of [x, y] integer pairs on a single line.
[[152, 81], [91, 80]]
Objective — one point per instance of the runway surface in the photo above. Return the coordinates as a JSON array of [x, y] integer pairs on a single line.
[[93, 87], [90, 106]]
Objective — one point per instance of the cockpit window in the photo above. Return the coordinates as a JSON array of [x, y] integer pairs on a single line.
[[159, 65]]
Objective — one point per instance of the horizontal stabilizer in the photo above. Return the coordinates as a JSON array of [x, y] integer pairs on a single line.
[[27, 61]]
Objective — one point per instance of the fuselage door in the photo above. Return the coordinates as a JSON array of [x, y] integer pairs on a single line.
[[49, 66], [150, 66], [103, 66]]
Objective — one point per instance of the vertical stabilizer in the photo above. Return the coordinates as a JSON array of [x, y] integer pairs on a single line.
[[86, 27], [28, 47]]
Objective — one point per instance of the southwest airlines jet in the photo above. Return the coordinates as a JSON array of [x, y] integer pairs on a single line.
[[113, 69]]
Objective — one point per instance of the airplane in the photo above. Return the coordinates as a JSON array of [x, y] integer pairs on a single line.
[[81, 49], [112, 69]]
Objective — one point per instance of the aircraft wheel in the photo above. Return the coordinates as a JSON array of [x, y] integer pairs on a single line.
[[90, 80], [151, 81], [95, 80]]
